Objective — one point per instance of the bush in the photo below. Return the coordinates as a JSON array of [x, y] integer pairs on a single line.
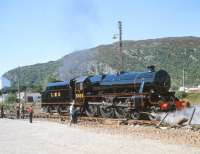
[[11, 98], [181, 94]]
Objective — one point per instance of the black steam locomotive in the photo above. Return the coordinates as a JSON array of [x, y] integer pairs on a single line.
[[113, 95]]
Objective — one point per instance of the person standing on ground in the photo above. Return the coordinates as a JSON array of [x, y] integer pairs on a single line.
[[30, 111], [22, 111], [2, 111], [73, 114], [18, 110]]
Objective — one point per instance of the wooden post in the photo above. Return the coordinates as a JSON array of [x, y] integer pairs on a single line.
[[163, 119], [189, 122]]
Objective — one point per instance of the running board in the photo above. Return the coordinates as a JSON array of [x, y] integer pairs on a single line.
[[106, 104]]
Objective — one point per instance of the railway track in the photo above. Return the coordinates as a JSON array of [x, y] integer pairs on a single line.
[[97, 120], [88, 120], [105, 121]]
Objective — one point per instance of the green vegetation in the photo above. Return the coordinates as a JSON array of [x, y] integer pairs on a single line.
[[34, 77], [180, 94], [193, 98], [11, 98], [171, 54]]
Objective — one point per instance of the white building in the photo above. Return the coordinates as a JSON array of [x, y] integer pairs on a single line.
[[30, 97], [4, 83], [183, 89], [2, 97], [191, 89]]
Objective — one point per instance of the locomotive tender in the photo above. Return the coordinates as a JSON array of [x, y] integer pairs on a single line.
[[113, 95]]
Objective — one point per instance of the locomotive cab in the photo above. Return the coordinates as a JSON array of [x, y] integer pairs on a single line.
[[79, 90]]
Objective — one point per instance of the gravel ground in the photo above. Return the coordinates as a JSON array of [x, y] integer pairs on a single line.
[[42, 137]]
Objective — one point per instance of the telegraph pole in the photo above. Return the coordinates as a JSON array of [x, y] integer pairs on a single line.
[[120, 45], [183, 79], [2, 98], [18, 83]]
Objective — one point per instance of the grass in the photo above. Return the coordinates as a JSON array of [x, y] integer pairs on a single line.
[[193, 98]]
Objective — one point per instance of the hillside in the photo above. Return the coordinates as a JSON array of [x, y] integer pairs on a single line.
[[172, 54], [34, 75]]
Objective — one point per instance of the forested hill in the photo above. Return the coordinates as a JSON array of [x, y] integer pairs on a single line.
[[172, 54]]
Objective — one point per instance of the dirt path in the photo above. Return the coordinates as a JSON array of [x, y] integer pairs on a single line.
[[42, 137]]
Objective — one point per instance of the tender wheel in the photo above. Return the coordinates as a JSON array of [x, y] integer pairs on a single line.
[[49, 109], [44, 109], [91, 110], [67, 110], [59, 109], [106, 111]]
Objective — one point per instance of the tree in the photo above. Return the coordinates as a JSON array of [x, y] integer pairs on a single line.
[[11, 98], [37, 88], [52, 78]]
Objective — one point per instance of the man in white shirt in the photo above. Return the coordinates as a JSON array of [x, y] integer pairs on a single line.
[[73, 113]]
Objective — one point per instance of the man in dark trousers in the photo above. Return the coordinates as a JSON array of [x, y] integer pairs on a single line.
[[2, 111], [30, 111], [22, 111], [18, 110]]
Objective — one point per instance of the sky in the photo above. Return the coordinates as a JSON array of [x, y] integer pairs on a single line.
[[37, 31]]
